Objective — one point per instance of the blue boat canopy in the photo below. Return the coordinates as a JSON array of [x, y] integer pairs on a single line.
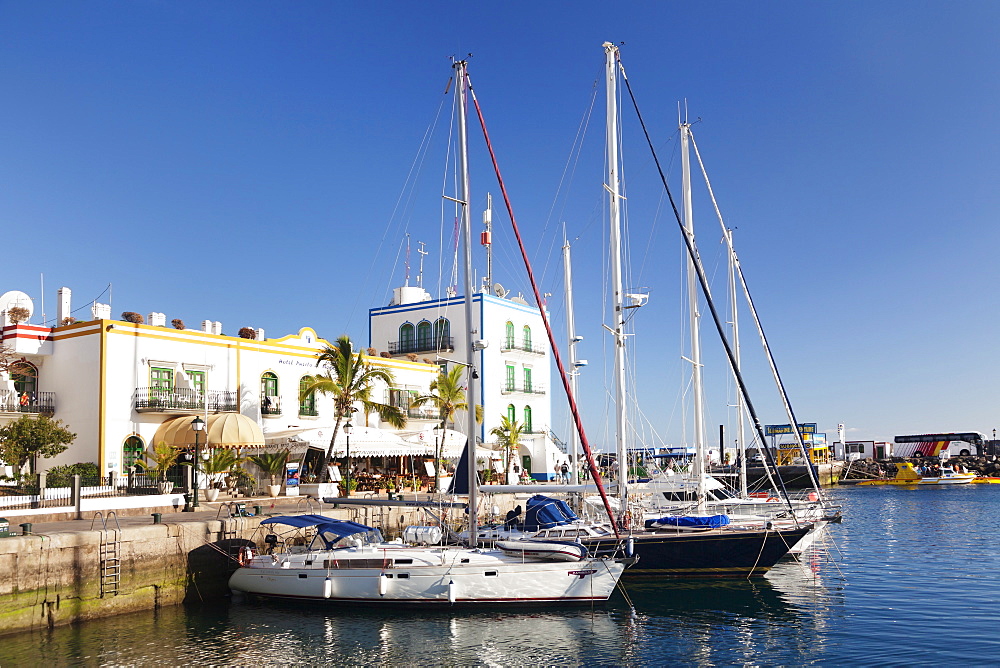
[[544, 513], [713, 521], [328, 524]]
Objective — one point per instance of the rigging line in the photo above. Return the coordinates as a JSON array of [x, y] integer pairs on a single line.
[[595, 474], [572, 161], [702, 279], [86, 304], [760, 328]]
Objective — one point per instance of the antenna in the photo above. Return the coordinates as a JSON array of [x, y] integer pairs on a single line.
[[421, 252], [406, 282], [499, 291], [487, 240]]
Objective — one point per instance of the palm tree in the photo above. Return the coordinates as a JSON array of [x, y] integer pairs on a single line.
[[351, 379], [448, 395], [508, 434]]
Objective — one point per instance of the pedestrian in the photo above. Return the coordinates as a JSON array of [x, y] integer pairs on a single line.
[[564, 473], [558, 473]]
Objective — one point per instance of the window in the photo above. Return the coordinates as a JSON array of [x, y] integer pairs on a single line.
[[132, 451], [161, 379], [511, 413], [527, 337], [25, 377], [442, 333], [527, 420], [269, 394], [527, 379], [307, 404], [510, 378], [509, 337], [406, 338], [197, 380], [424, 335]]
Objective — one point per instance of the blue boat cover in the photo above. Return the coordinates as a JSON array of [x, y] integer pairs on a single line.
[[713, 521], [544, 513], [338, 527]]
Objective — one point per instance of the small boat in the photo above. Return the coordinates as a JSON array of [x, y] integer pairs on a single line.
[[547, 549], [907, 474], [350, 563]]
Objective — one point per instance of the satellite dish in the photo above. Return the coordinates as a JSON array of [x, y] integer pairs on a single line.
[[9, 300], [499, 291]]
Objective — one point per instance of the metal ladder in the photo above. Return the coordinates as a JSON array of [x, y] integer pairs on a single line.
[[108, 553]]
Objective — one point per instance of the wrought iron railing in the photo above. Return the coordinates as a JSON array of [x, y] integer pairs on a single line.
[[270, 406], [308, 410], [43, 403], [522, 346], [436, 344], [528, 388], [149, 399]]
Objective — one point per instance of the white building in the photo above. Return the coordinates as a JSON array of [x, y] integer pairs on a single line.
[[115, 383], [513, 367]]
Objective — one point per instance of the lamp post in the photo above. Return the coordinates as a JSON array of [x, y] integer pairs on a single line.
[[348, 428], [198, 425]]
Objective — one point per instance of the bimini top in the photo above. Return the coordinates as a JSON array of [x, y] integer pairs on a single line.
[[327, 524], [544, 513]]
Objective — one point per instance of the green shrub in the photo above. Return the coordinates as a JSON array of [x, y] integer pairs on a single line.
[[62, 476]]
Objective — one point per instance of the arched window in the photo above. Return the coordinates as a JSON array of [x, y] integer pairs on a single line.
[[511, 412], [527, 420], [406, 338], [442, 334], [424, 335], [526, 335], [509, 337], [25, 377], [269, 404], [527, 379], [307, 404], [133, 451]]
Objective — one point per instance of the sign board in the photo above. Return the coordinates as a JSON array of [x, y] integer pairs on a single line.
[[291, 474], [334, 473], [775, 429], [429, 468]]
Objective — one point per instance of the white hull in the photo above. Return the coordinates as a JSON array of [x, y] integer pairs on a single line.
[[431, 576]]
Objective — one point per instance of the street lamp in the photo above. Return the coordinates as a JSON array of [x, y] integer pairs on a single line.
[[348, 428], [198, 425]]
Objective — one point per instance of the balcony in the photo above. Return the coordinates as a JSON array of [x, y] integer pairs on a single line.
[[514, 388], [308, 410], [270, 406], [422, 413], [509, 345], [184, 401], [38, 403], [441, 344]]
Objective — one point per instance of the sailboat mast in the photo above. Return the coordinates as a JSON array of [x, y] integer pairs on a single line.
[[617, 297], [572, 340], [740, 433], [471, 333], [487, 240], [695, 318]]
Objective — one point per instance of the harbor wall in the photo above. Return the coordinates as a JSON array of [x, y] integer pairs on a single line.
[[52, 579]]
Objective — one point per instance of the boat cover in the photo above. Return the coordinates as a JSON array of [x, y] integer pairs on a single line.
[[330, 525], [713, 521], [544, 513]]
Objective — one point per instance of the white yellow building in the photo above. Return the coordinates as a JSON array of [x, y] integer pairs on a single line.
[[115, 383]]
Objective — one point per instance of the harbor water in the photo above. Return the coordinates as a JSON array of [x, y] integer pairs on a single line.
[[911, 577]]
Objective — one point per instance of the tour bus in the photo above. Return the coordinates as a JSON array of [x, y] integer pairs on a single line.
[[939, 445]]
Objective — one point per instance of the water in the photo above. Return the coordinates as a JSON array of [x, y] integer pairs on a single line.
[[911, 578]]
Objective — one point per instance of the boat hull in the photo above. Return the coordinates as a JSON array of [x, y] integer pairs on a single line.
[[525, 583], [718, 553]]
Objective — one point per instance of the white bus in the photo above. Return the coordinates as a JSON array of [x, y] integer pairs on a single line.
[[946, 445]]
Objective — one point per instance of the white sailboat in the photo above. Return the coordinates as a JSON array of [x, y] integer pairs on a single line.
[[350, 563]]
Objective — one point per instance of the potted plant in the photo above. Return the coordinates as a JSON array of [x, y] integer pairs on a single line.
[[162, 457], [348, 485], [388, 483], [273, 465], [222, 461]]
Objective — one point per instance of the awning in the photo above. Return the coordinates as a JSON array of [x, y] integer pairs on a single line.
[[450, 441], [222, 430], [365, 441]]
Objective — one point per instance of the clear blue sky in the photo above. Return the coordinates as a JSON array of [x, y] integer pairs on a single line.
[[248, 162]]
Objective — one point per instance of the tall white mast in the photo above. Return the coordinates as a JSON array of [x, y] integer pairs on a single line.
[[740, 434], [487, 240], [572, 340], [471, 332], [695, 319], [617, 297]]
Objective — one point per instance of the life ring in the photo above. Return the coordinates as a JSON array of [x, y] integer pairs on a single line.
[[773, 499], [245, 555]]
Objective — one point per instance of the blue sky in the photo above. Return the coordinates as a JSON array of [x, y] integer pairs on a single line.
[[259, 164]]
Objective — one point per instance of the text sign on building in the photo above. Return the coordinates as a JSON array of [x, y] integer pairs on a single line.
[[776, 429]]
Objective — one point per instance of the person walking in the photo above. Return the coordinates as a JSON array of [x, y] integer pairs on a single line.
[[564, 473]]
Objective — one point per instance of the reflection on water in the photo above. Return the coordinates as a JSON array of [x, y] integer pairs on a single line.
[[904, 563]]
